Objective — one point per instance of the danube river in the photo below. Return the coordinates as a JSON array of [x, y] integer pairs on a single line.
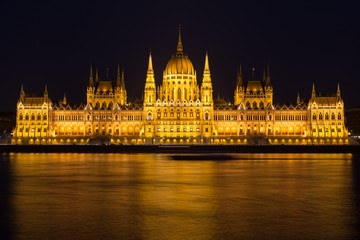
[[151, 196]]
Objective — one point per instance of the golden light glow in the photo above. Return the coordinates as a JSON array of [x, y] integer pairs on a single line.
[[210, 121]]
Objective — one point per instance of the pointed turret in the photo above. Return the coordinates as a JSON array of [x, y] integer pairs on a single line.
[[313, 93], [91, 79], [46, 93], [64, 100], [179, 46], [97, 76], [122, 80], [150, 88], [239, 79], [118, 77], [206, 86], [22, 94], [264, 77], [268, 76], [150, 66], [338, 93], [207, 68], [298, 99]]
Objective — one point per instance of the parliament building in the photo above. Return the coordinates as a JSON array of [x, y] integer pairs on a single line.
[[179, 111]]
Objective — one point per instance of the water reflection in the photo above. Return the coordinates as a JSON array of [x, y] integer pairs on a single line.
[[143, 196]]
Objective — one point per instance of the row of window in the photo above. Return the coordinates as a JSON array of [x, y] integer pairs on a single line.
[[177, 129], [68, 118], [321, 117], [260, 117], [38, 117]]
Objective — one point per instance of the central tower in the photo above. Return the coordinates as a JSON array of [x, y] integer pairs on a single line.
[[179, 78]]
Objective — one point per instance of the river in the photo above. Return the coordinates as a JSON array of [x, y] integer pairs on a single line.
[[151, 196]]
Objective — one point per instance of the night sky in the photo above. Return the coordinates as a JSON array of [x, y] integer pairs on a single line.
[[55, 43]]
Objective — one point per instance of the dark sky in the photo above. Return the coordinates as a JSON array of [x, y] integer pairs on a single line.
[[55, 42]]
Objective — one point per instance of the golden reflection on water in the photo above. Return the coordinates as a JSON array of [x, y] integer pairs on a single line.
[[149, 196]]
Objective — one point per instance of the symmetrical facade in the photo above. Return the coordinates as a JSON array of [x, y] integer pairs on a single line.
[[179, 111]]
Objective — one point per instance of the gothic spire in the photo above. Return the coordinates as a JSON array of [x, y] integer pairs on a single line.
[[118, 77], [298, 99], [64, 100], [338, 90], [122, 80], [91, 79], [97, 76], [22, 93], [239, 78], [268, 75], [313, 93], [179, 46], [150, 66], [264, 78], [206, 68]]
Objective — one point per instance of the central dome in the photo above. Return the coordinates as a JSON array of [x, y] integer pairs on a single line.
[[179, 63]]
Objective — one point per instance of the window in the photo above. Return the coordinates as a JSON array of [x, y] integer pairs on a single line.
[[21, 117], [339, 116], [45, 117], [207, 116]]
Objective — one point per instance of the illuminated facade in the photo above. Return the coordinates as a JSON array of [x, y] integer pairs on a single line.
[[179, 111]]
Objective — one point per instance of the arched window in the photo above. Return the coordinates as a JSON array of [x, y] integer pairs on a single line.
[[20, 116], [110, 105], [247, 104], [254, 105], [320, 117], [261, 105], [339, 116], [149, 116], [207, 116], [326, 116], [314, 117], [332, 116], [270, 117], [103, 105], [179, 94]]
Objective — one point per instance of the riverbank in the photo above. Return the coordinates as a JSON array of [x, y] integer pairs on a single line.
[[180, 148]]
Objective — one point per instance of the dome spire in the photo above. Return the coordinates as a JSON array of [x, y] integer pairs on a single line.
[[179, 46]]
